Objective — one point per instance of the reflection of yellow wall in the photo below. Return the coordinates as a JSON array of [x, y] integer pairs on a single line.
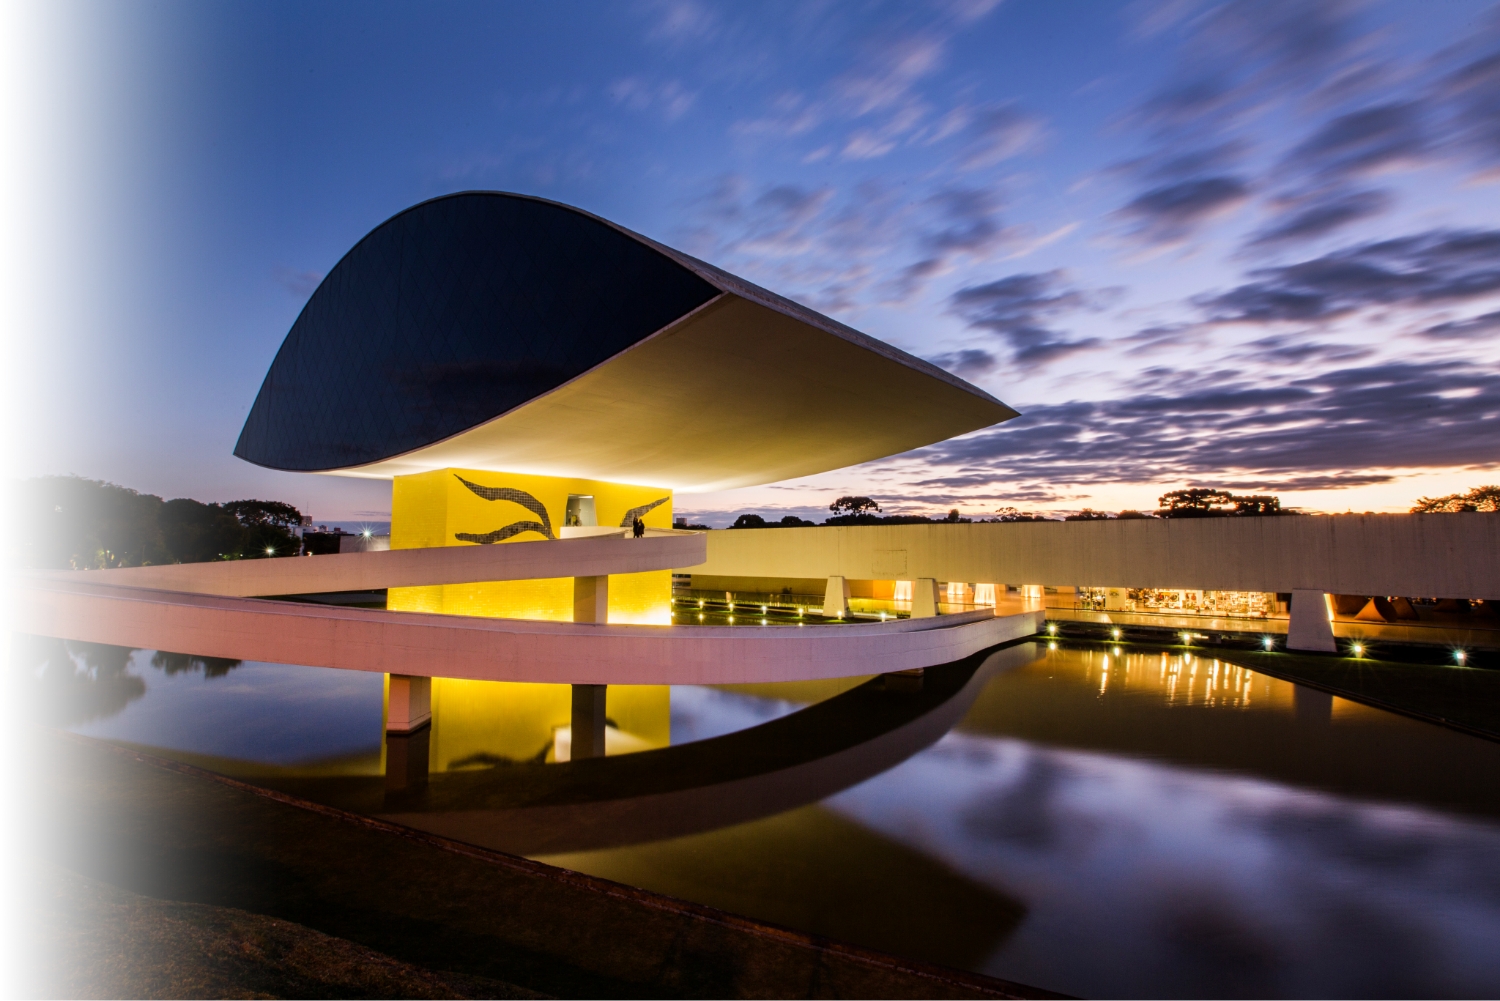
[[432, 509], [476, 722]]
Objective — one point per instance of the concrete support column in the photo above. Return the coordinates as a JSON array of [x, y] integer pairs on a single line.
[[1311, 627], [836, 597], [588, 721], [406, 761], [591, 599], [924, 598], [410, 704]]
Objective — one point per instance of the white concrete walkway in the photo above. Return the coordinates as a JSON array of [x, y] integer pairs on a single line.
[[138, 608]]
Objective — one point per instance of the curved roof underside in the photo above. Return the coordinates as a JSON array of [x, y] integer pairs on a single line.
[[489, 330]]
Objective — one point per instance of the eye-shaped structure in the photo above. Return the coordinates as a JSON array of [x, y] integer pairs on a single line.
[[486, 330]]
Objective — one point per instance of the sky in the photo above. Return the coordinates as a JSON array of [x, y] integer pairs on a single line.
[[1254, 246]]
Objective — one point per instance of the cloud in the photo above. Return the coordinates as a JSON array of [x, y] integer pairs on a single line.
[[1345, 427], [969, 363], [1480, 326], [1362, 142], [995, 133], [1316, 216], [1471, 97], [1422, 269], [670, 99], [1017, 307], [681, 21], [1296, 349], [1170, 213], [299, 283]]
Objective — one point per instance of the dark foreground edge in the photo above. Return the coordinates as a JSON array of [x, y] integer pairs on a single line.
[[908, 977]]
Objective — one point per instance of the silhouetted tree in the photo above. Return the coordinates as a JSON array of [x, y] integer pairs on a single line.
[[749, 521], [853, 505], [1478, 499], [1194, 502], [1088, 514], [197, 533]]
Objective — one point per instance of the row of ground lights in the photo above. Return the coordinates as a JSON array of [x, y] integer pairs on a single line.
[[1356, 648]]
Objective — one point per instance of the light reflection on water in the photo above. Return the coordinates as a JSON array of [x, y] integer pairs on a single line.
[[1098, 824]]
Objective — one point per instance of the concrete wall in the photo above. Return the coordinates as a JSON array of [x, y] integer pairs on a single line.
[[1423, 555]]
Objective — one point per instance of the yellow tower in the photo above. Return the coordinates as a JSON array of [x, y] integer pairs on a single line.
[[466, 507]]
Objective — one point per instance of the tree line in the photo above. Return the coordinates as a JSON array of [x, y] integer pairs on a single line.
[[74, 523]]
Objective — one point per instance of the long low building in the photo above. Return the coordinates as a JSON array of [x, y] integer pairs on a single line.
[[1434, 555], [1298, 563]]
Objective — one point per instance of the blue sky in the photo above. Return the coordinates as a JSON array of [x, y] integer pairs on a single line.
[[1251, 245]]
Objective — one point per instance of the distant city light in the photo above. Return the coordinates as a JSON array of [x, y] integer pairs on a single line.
[[270, 551]]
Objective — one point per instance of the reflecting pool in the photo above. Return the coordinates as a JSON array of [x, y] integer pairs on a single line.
[[1091, 821]]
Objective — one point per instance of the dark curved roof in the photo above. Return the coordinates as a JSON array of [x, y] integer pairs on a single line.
[[452, 313]]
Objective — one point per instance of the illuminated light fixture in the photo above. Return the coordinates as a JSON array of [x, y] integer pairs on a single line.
[[366, 533], [1267, 642], [1114, 634], [1052, 629], [1187, 639], [1358, 649], [882, 616], [731, 620], [1460, 656], [762, 621], [700, 603], [762, 608], [270, 551]]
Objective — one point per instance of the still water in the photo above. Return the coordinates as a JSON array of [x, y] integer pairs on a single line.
[[1086, 822]]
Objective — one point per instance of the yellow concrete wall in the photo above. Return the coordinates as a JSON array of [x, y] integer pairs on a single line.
[[433, 509]]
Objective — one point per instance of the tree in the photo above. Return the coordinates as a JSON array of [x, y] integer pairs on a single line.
[[1194, 502], [853, 505], [1129, 514], [1012, 514], [953, 515], [1211, 502], [197, 532], [749, 521], [1479, 499], [74, 523], [258, 512], [1088, 514], [266, 527], [1257, 504]]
